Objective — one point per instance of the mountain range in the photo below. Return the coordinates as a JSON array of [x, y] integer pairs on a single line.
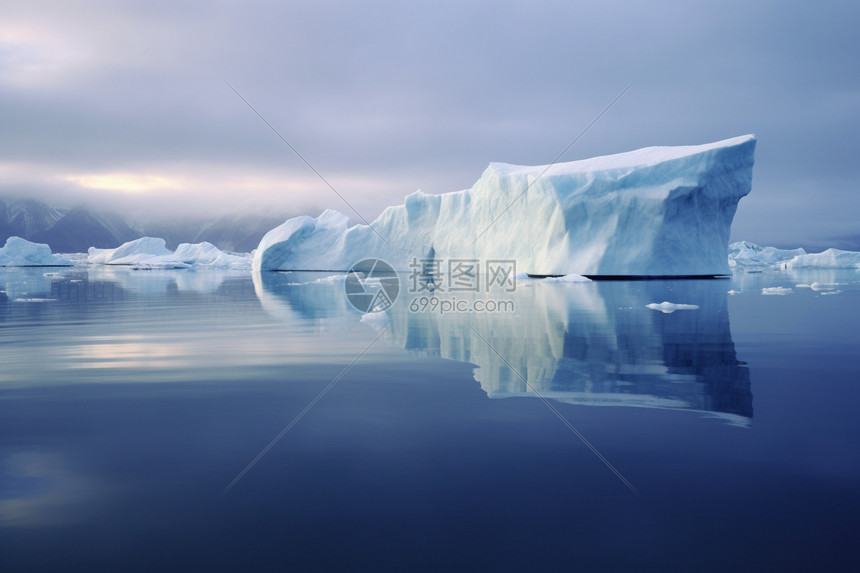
[[75, 230]]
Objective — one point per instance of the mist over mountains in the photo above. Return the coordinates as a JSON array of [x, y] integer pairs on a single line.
[[76, 230]]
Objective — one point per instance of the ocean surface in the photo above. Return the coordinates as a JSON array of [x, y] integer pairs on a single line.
[[218, 421]]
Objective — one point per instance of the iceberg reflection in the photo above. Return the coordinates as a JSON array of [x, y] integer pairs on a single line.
[[590, 344]]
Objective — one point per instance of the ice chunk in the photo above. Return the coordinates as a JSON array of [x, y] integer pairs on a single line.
[[829, 259], [667, 307], [746, 254], [20, 252], [655, 211], [567, 279], [776, 290], [152, 253], [130, 253]]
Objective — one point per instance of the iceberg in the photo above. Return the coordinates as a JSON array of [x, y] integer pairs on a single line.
[[658, 211], [829, 259], [20, 252], [750, 255], [746, 254], [152, 253]]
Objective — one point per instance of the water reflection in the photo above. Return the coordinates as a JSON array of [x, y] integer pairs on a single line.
[[591, 344]]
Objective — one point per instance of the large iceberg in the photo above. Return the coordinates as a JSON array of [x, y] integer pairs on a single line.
[[658, 211], [20, 252], [152, 253]]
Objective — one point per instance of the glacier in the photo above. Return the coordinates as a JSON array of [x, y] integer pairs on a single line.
[[152, 253], [18, 252], [657, 211]]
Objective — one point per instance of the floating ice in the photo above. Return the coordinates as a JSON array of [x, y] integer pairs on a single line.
[[377, 320], [132, 252], [667, 307], [816, 286], [567, 279], [829, 259], [655, 211], [152, 253], [20, 252], [776, 290], [746, 254]]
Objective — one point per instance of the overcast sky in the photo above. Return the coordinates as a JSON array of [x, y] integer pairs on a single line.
[[124, 104]]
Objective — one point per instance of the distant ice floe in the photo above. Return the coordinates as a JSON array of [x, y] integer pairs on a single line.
[[751, 257], [152, 253], [567, 279], [733, 292], [668, 307], [821, 288], [776, 290], [20, 252], [379, 321], [829, 259]]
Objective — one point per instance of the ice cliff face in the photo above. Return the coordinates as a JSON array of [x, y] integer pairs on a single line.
[[655, 211]]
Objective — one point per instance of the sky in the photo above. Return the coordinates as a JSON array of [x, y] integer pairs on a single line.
[[126, 105]]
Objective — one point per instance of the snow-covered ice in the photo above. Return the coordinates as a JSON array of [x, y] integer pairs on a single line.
[[746, 254], [20, 252], [567, 279], [152, 253], [655, 211], [668, 307], [132, 252], [776, 290], [829, 259]]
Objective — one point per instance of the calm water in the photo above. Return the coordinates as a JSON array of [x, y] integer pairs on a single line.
[[129, 401]]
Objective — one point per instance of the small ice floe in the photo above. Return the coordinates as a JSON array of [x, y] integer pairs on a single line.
[[331, 279], [818, 287], [733, 292], [667, 307], [567, 279], [775, 290], [377, 320], [35, 300]]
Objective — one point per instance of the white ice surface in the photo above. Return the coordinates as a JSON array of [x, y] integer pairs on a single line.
[[776, 290], [152, 253], [655, 211], [667, 307], [19, 252], [750, 255], [829, 259], [567, 279]]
